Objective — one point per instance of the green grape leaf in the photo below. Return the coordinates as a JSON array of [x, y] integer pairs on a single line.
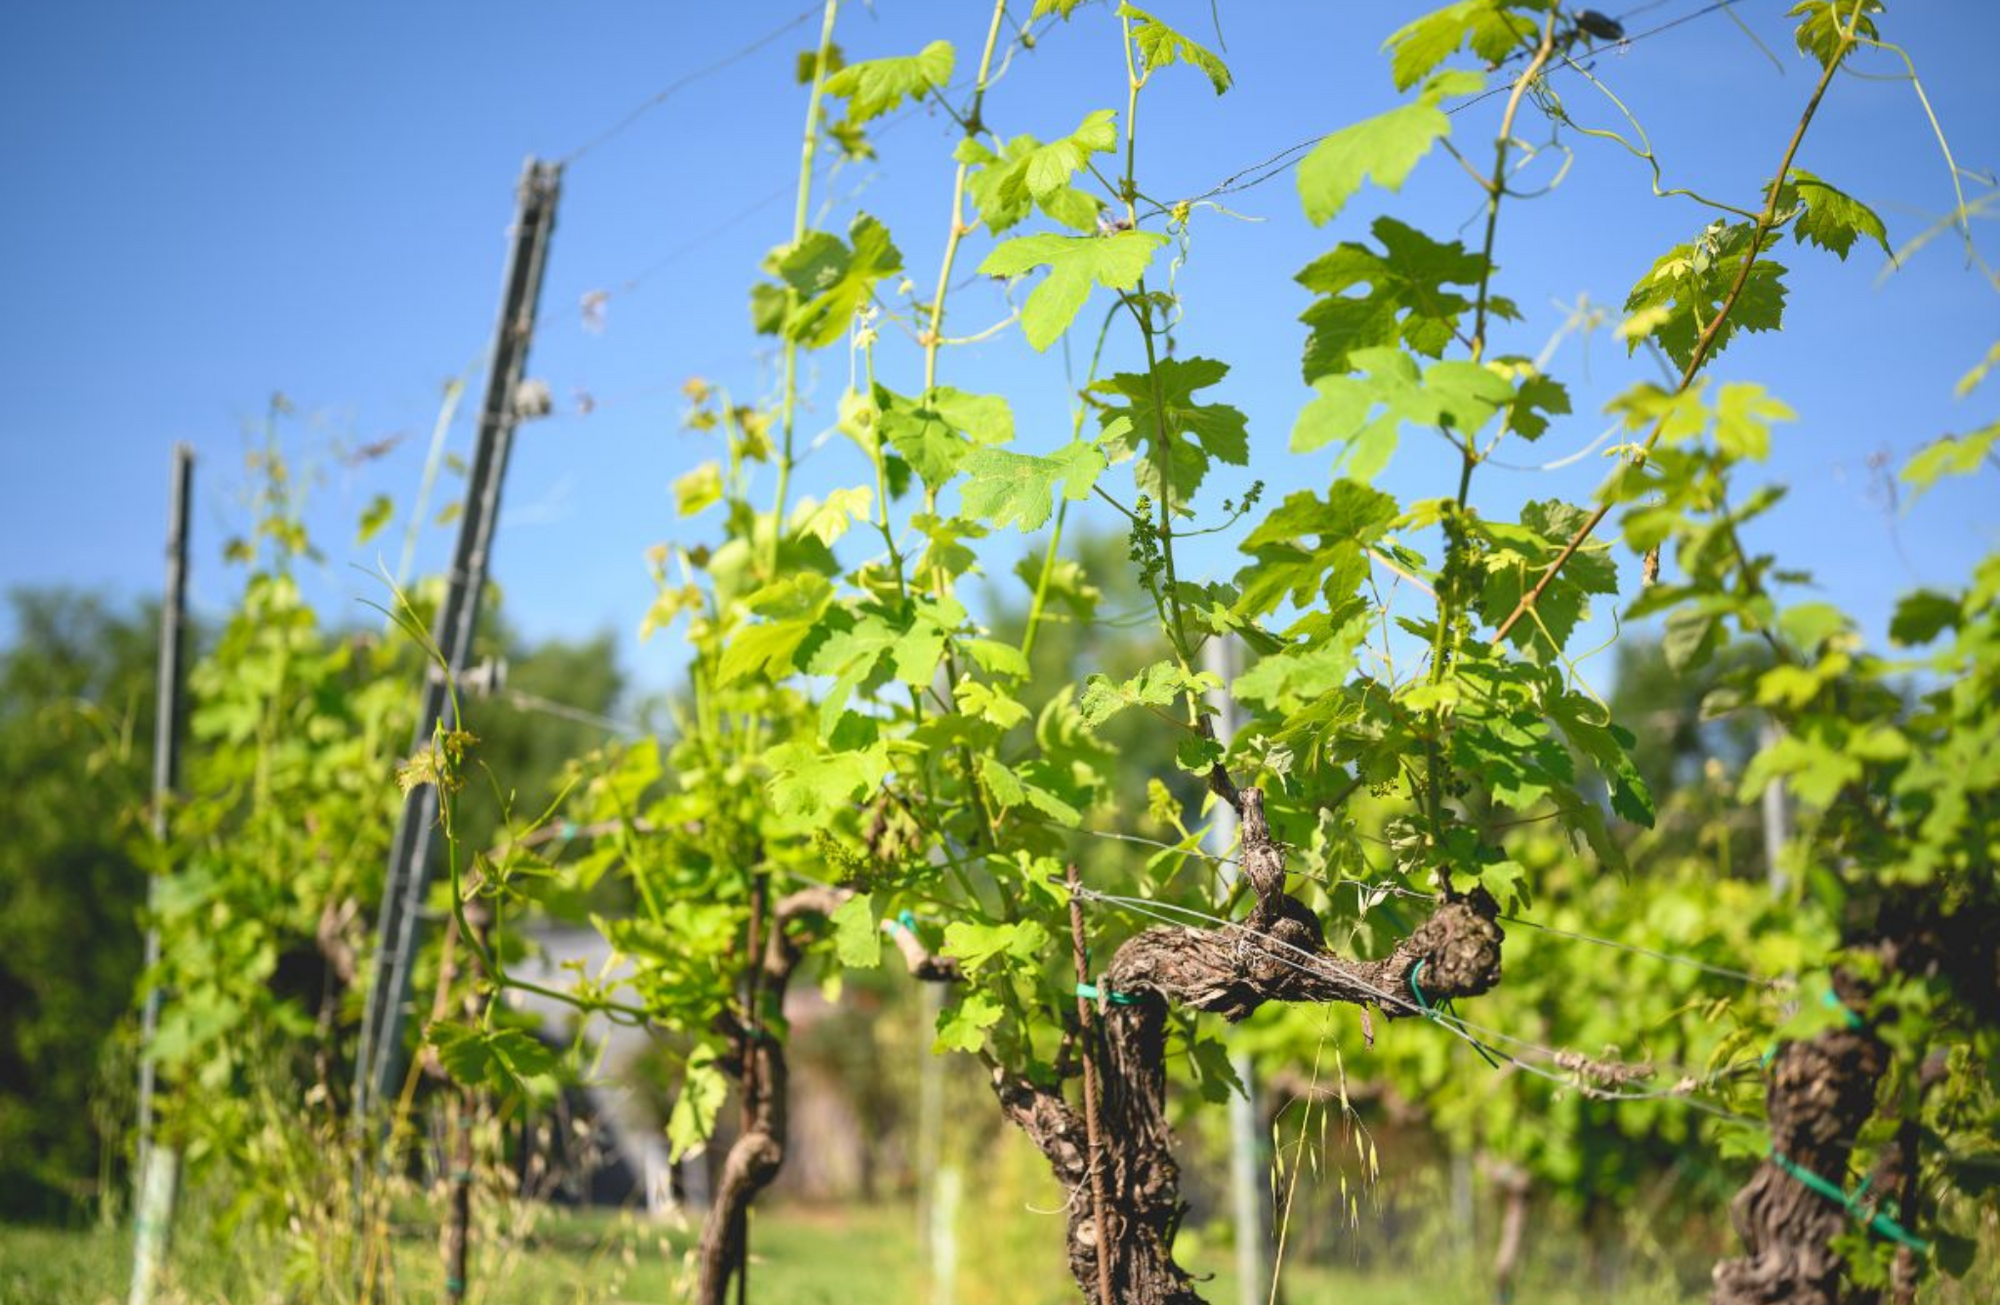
[[851, 651], [807, 66], [505, 1059], [1824, 25], [379, 511], [917, 652], [875, 86], [830, 280], [698, 490], [935, 436], [1116, 262], [1045, 799], [827, 521], [946, 555], [1027, 174], [1486, 25], [1289, 679], [1155, 686], [1536, 399], [1980, 371], [1921, 616], [1809, 625], [1006, 488], [962, 1027], [1405, 299], [1349, 512], [1815, 770], [1587, 726], [1350, 519], [1743, 415], [1160, 45], [806, 782], [979, 700], [1001, 783], [1517, 760], [1383, 149], [1047, 169], [856, 940], [768, 306], [1831, 219], [1365, 411], [794, 606], [996, 658], [1214, 1074], [1680, 297], [1160, 411], [1197, 754], [692, 1121], [974, 945], [1953, 455], [1516, 556], [1688, 639]]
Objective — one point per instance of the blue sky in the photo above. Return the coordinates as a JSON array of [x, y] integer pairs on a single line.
[[211, 202]]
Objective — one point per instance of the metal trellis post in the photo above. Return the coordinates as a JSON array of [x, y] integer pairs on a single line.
[[158, 1168], [379, 1053]]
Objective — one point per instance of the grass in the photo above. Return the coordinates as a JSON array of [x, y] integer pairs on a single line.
[[570, 1257], [804, 1256]]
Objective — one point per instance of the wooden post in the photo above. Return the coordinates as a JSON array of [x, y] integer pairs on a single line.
[[378, 1057], [158, 1170]]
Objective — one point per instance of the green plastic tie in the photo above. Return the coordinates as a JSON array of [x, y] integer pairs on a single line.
[[456, 1286], [461, 1176], [1093, 992], [1879, 1222], [1421, 1000], [1437, 1012], [1831, 998]]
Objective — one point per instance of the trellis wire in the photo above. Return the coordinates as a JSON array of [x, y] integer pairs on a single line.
[[1461, 1028], [682, 82], [1398, 890], [1024, 40], [1286, 159]]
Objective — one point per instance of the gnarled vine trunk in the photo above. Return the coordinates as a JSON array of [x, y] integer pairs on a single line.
[[763, 1077], [1823, 1091], [1277, 953]]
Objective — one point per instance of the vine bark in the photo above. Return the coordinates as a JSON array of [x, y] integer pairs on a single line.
[[763, 1078], [1277, 953]]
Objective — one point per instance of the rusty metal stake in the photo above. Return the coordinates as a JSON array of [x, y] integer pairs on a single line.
[[1084, 1016]]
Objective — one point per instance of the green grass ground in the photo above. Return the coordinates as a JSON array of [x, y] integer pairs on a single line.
[[849, 1256]]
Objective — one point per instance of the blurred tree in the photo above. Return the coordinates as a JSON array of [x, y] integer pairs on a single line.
[[76, 721], [76, 708], [1682, 751]]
